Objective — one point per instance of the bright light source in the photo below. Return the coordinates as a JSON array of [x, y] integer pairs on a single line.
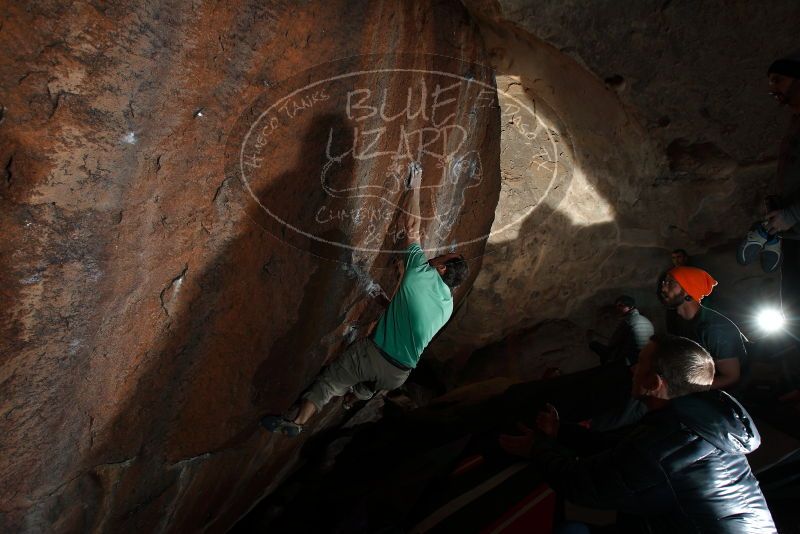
[[770, 320]]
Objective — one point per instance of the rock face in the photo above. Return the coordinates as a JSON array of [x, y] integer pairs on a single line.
[[655, 132], [182, 243], [197, 200]]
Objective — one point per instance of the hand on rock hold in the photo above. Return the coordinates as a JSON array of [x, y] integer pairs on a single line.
[[414, 179], [376, 292]]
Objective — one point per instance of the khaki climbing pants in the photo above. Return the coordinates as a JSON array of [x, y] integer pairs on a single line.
[[361, 367]]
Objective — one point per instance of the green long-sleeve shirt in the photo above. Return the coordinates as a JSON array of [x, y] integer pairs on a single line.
[[421, 306]]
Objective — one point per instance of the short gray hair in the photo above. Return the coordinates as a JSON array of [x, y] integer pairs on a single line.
[[684, 365]]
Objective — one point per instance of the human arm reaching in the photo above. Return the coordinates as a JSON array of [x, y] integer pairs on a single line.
[[410, 218]]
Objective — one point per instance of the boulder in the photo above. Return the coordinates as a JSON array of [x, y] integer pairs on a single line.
[[182, 243]]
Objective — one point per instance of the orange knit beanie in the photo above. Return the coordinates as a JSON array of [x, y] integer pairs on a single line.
[[696, 282]]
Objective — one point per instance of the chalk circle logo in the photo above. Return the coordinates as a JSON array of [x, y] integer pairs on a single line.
[[328, 155]]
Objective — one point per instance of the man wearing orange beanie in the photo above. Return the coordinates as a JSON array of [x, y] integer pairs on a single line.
[[682, 290]]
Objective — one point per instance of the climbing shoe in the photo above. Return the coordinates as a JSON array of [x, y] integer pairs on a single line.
[[771, 255], [277, 423], [751, 245]]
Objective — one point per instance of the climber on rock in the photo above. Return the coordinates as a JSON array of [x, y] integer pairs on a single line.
[[420, 307]]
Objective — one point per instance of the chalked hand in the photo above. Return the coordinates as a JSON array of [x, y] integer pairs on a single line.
[[414, 179]]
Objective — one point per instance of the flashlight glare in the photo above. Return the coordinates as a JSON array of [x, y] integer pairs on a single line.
[[770, 320]]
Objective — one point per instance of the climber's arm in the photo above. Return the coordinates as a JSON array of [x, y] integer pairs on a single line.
[[410, 216]]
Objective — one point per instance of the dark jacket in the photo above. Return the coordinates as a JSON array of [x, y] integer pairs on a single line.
[[681, 469]]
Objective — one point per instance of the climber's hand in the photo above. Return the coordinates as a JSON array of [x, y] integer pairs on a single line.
[[776, 222], [375, 291]]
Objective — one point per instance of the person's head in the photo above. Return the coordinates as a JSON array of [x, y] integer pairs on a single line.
[[679, 257], [782, 76], [624, 304], [453, 269], [685, 284], [670, 367]]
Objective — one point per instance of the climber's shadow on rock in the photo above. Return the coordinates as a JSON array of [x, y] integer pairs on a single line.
[[320, 308], [246, 335]]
